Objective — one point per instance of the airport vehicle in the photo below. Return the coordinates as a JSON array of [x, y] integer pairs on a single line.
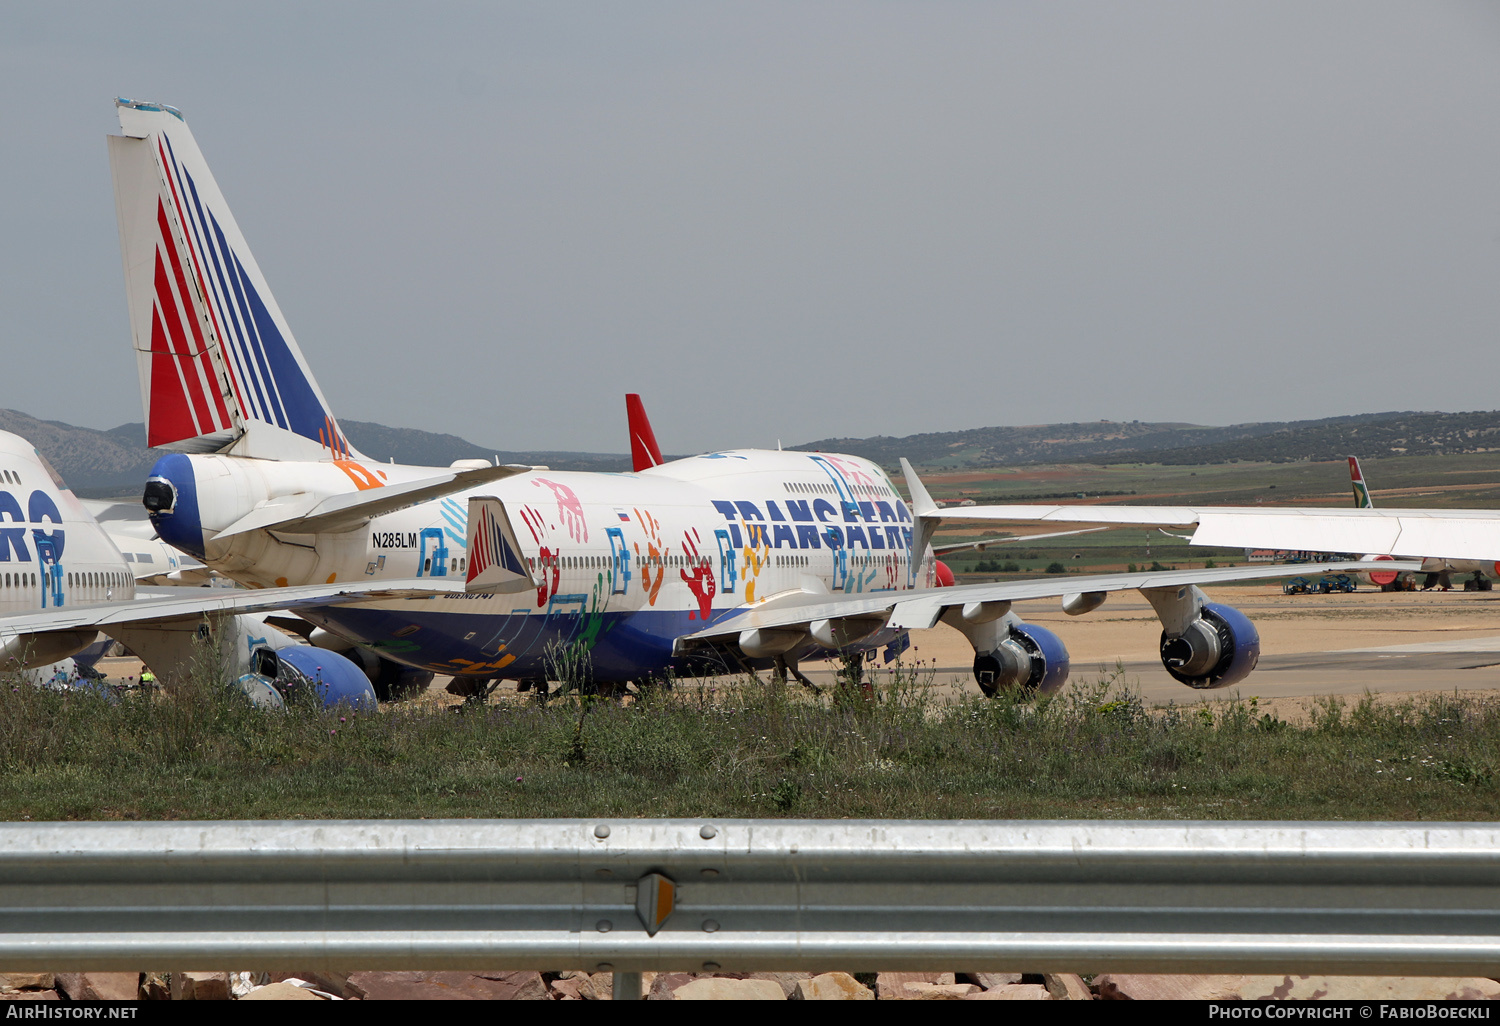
[[1297, 586], [1330, 584], [63, 580], [743, 559]]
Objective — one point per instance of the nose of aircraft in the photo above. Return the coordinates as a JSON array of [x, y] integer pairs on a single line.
[[171, 501]]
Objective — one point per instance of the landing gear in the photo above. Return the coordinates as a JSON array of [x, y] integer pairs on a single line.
[[851, 674], [536, 684], [788, 668]]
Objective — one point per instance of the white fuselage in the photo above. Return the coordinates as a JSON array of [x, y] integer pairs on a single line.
[[644, 556]]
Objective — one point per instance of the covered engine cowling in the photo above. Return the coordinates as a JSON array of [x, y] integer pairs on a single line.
[[265, 662], [391, 680], [1218, 648], [1378, 578], [1028, 659], [306, 673]]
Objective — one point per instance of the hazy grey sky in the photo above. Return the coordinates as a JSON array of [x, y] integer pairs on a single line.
[[789, 220]]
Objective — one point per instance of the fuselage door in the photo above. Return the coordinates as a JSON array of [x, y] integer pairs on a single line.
[[619, 556], [727, 573]]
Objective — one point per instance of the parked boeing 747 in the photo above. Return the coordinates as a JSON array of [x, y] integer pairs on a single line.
[[743, 559], [63, 580]]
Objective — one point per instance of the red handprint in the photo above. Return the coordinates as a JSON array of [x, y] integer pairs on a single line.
[[701, 581]]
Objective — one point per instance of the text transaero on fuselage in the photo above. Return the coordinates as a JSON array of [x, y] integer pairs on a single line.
[[729, 560]]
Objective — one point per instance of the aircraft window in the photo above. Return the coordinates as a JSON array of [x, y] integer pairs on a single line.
[[427, 565]]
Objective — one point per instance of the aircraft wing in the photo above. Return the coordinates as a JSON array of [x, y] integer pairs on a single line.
[[158, 605], [1449, 533], [920, 609], [303, 514]]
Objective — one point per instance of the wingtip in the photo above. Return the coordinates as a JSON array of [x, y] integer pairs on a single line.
[[921, 501]]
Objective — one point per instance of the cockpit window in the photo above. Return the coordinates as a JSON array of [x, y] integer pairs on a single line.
[[56, 477]]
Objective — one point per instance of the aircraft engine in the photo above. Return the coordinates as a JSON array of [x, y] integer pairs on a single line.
[[390, 679], [1378, 578], [269, 666], [26, 651], [1218, 648], [1027, 659], [302, 672]]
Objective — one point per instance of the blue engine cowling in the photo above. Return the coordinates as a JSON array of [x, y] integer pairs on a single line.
[[1218, 649], [326, 677], [1031, 659]]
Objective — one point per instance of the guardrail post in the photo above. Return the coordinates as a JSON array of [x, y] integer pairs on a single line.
[[627, 987]]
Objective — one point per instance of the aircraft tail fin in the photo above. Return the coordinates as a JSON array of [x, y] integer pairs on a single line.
[[219, 368], [644, 452], [495, 560], [1362, 498]]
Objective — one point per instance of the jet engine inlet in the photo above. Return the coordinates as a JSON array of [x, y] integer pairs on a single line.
[[160, 496], [1030, 659], [1219, 648]]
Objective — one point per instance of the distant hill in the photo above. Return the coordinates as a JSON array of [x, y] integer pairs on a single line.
[[1384, 434], [1368, 434], [114, 463], [95, 464], [427, 449]]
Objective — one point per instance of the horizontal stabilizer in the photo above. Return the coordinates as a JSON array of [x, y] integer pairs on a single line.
[[308, 514], [496, 564]]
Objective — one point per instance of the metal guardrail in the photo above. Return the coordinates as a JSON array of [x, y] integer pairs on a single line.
[[753, 895]]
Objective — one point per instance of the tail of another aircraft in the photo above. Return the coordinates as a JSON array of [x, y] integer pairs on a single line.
[[1362, 498], [219, 368], [644, 452]]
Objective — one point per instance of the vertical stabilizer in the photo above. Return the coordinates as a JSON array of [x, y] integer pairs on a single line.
[[495, 560], [644, 452], [219, 368], [1362, 498]]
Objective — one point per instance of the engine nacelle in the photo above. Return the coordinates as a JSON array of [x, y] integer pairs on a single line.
[[1378, 578], [1028, 658], [1218, 648], [268, 665], [390, 679], [28, 651], [305, 673]]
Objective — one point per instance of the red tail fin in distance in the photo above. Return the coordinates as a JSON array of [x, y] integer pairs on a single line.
[[644, 452]]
